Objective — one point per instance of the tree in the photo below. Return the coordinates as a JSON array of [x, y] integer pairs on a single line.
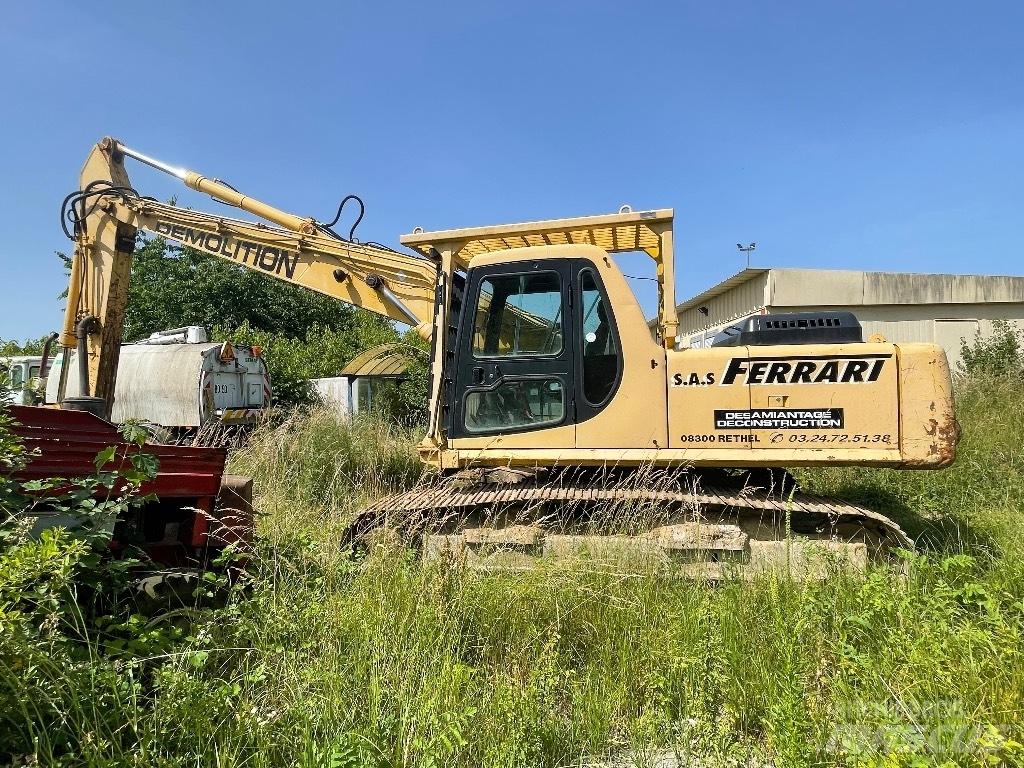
[[10, 348], [172, 286], [314, 352]]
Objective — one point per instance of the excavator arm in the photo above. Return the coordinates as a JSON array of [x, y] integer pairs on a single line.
[[105, 215]]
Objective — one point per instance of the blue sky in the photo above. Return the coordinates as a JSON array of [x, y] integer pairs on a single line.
[[868, 135]]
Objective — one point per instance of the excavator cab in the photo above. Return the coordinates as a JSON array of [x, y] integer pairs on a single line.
[[538, 349], [547, 351]]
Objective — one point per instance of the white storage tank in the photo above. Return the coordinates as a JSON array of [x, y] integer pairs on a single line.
[[181, 385]]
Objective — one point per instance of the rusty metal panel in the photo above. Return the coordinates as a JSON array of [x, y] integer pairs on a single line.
[[68, 442]]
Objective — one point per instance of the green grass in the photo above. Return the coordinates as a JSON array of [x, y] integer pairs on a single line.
[[388, 662]]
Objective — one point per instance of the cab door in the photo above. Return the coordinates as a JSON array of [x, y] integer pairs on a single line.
[[515, 358], [225, 389]]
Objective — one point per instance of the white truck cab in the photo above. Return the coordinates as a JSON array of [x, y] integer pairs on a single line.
[[20, 375]]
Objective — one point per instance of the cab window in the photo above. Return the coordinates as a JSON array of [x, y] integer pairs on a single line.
[[519, 316], [517, 404], [601, 359]]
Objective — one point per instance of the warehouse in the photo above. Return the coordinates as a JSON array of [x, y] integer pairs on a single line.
[[902, 306]]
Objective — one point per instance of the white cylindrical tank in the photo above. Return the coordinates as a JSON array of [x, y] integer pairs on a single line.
[[181, 385]]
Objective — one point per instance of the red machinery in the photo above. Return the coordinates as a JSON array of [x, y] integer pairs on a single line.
[[198, 510]]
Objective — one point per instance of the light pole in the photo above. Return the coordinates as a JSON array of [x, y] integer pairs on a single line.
[[747, 249]]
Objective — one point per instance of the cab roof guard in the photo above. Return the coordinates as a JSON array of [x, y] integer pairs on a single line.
[[627, 230]]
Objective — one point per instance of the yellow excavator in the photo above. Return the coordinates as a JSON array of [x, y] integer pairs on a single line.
[[554, 410]]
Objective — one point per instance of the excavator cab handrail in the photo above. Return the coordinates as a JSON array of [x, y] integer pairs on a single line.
[[626, 231]]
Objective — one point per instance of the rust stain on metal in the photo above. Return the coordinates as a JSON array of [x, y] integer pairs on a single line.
[[945, 435]]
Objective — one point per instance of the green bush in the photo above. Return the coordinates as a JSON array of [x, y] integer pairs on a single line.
[[294, 359], [71, 645], [1001, 353]]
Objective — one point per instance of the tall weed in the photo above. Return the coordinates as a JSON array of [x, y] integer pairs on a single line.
[[323, 659]]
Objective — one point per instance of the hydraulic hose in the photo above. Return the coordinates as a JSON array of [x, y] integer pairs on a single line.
[[88, 324], [44, 368]]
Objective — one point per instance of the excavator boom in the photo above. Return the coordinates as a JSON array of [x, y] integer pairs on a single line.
[[107, 213]]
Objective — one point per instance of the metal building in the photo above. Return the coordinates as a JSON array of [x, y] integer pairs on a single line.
[[353, 390], [902, 306]]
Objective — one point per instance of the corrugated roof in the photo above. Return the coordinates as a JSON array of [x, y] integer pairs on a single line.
[[728, 284], [385, 361]]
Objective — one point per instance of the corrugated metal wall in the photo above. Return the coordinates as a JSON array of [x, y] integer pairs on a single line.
[[942, 324], [334, 391], [902, 307], [741, 301]]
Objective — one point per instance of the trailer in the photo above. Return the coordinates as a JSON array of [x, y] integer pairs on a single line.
[[175, 381]]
